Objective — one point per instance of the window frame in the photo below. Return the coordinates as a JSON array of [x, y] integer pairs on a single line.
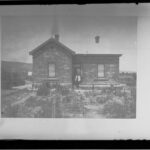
[[98, 71], [54, 70], [112, 68]]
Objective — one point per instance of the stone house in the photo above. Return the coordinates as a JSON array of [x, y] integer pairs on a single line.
[[53, 61]]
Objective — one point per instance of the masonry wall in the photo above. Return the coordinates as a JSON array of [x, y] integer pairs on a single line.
[[89, 67], [51, 53], [90, 72]]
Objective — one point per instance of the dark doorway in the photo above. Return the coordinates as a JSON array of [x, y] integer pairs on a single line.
[[76, 71]]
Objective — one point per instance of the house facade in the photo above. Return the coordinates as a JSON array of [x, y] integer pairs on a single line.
[[52, 60]]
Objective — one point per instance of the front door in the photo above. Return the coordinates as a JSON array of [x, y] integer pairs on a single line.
[[76, 71]]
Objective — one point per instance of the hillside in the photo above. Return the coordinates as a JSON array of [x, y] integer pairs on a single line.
[[16, 66], [14, 73]]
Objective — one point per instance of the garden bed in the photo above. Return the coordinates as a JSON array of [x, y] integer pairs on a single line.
[[67, 103]]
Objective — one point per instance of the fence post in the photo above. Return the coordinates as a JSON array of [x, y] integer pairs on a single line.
[[61, 107], [53, 108], [83, 108]]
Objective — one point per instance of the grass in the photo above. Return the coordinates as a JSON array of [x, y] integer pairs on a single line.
[[67, 103]]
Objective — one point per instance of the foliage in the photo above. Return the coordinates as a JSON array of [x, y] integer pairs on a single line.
[[64, 102], [101, 99], [10, 111], [63, 90], [114, 109], [128, 78], [120, 107], [43, 89]]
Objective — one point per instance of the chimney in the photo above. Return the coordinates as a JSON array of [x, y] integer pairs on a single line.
[[97, 39], [57, 37]]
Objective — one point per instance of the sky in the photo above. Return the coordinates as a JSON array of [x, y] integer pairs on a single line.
[[77, 27]]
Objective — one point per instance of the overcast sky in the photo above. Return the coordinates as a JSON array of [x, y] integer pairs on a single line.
[[77, 27]]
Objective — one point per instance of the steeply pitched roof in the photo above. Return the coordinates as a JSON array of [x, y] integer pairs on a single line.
[[56, 42]]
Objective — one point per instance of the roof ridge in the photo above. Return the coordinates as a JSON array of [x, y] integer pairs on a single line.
[[51, 39]]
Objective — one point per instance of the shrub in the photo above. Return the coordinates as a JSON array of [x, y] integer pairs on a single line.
[[120, 107], [113, 109], [26, 111], [130, 102], [64, 90], [97, 92], [43, 90], [10, 111], [76, 108], [101, 99], [87, 94], [67, 99]]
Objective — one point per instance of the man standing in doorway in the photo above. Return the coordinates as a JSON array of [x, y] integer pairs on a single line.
[[78, 77]]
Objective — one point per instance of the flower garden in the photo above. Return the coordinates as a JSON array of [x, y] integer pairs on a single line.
[[64, 102]]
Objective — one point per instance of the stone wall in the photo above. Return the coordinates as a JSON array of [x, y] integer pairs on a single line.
[[63, 60], [51, 53], [90, 72]]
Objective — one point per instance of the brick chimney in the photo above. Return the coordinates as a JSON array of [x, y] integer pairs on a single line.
[[57, 37], [97, 38]]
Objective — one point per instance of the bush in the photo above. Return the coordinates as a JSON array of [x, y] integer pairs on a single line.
[[113, 109], [87, 94], [131, 105], [97, 92], [101, 99], [67, 99], [63, 90], [121, 107], [43, 90], [10, 111], [26, 111]]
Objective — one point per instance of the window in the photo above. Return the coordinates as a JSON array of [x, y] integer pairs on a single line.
[[100, 70], [29, 73], [112, 69], [51, 70]]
